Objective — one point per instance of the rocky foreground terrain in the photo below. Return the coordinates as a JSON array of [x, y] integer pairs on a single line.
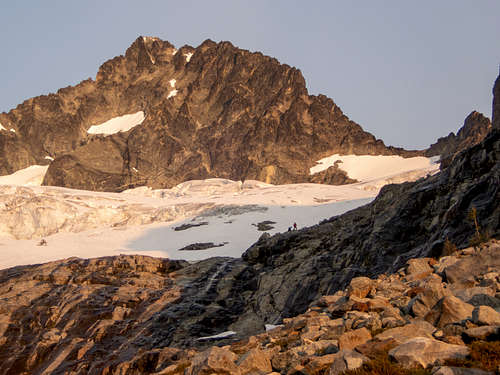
[[102, 316]]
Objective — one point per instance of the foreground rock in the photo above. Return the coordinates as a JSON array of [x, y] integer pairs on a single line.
[[133, 314]]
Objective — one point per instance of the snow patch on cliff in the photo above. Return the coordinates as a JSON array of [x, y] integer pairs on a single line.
[[370, 167], [118, 124]]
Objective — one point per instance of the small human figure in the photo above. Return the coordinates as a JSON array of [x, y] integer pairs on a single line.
[[294, 226], [42, 242], [289, 229]]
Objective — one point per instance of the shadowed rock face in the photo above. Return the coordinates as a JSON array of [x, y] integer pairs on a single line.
[[236, 115], [475, 128], [496, 104]]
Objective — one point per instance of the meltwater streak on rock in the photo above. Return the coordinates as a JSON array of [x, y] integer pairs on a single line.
[[236, 115]]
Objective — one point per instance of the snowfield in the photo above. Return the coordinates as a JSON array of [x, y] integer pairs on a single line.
[[371, 167], [118, 124], [192, 221]]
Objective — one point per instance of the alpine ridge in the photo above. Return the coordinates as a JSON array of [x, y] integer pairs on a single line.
[[211, 111]]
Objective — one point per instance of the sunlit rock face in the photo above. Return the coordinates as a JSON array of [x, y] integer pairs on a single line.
[[211, 111]]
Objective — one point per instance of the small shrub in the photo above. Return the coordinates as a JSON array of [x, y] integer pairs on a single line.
[[479, 235], [448, 248], [382, 365], [483, 355]]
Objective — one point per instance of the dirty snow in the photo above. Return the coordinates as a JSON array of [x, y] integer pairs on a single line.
[[370, 167], [30, 176], [118, 124]]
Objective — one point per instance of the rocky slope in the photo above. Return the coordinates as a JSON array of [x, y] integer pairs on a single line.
[[104, 316], [125, 314], [475, 128], [211, 111]]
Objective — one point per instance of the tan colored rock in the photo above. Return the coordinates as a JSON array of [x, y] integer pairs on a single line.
[[351, 339], [481, 333], [326, 301], [214, 360], [255, 361], [360, 287], [449, 310], [445, 370], [346, 360], [318, 365], [374, 348], [485, 315], [425, 300], [425, 352], [445, 262], [417, 269], [419, 328]]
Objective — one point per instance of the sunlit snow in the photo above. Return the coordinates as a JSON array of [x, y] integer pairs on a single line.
[[370, 167], [118, 124], [171, 94], [49, 158], [188, 56], [145, 221], [30, 176], [1, 127], [172, 82], [13, 130]]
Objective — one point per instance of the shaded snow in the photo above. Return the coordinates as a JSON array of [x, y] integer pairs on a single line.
[[222, 335], [30, 176], [118, 124], [370, 167]]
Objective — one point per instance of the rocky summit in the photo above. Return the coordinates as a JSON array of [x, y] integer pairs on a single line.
[[211, 111]]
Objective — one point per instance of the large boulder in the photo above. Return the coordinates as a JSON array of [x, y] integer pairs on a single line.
[[419, 328], [424, 351]]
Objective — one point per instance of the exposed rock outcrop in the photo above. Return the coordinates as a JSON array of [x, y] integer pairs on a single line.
[[211, 111], [496, 104], [475, 128]]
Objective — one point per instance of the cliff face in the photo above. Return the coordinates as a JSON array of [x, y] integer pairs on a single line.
[[211, 111], [475, 128], [496, 104]]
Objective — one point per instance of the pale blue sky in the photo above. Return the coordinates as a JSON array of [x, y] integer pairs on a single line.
[[407, 71]]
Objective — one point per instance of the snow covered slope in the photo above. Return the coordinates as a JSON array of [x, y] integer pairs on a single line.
[[374, 167], [30, 176], [194, 220]]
